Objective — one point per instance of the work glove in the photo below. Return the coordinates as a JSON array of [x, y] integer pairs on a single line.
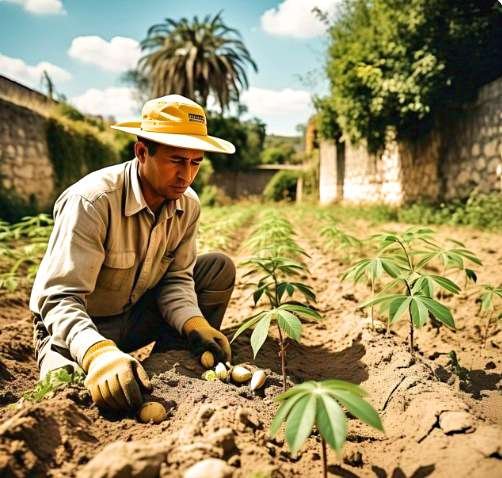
[[202, 337], [114, 378]]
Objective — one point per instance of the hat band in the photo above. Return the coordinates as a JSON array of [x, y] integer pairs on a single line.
[[155, 126]]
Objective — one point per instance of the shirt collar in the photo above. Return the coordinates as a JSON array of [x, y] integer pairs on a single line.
[[135, 201]]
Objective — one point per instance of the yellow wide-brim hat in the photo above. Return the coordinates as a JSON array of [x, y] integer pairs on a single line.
[[176, 121]]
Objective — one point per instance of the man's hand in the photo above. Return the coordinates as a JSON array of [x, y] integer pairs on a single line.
[[114, 378], [201, 337]]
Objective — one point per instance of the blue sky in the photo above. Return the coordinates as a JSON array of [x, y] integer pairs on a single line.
[[85, 45]]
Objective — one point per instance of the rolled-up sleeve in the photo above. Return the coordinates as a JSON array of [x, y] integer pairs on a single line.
[[175, 292], [68, 273]]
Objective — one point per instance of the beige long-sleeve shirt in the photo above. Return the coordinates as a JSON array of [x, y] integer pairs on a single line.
[[107, 249]]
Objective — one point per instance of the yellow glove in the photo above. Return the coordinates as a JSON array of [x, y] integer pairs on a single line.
[[201, 337], [114, 378]]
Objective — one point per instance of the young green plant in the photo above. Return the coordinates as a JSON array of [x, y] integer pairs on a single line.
[[318, 404], [276, 283], [396, 258]]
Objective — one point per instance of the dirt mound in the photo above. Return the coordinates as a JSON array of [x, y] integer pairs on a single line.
[[43, 437]]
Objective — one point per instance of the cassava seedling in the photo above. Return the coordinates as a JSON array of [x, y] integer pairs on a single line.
[[397, 256], [491, 299], [318, 404], [275, 284]]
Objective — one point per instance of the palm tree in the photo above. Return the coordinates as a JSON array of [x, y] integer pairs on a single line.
[[195, 59]]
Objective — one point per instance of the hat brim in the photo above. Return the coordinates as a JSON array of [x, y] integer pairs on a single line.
[[202, 143]]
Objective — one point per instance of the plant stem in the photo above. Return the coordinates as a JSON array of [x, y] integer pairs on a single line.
[[324, 458], [487, 328], [282, 353], [412, 345], [372, 294]]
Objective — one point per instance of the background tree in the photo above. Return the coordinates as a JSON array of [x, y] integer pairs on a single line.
[[403, 63], [195, 58]]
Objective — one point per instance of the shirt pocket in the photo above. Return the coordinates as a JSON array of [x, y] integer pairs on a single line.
[[162, 267], [117, 270]]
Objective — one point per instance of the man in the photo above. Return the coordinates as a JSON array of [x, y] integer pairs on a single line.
[[121, 269]]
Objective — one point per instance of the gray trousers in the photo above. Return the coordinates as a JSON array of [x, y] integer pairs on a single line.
[[214, 278]]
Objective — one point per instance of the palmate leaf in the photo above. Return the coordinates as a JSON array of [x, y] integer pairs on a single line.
[[398, 307], [248, 323], [487, 297], [419, 313], [331, 421], [301, 310], [290, 324], [318, 403], [300, 422], [439, 311], [358, 407], [260, 332], [285, 408]]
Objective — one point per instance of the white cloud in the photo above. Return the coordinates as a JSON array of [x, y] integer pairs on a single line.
[[119, 102], [281, 110], [29, 75], [41, 7], [295, 18], [119, 54]]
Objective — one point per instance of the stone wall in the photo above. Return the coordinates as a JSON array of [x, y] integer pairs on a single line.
[[236, 184], [14, 92], [475, 145], [25, 168], [458, 156]]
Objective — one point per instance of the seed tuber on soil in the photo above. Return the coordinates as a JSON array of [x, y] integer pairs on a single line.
[[207, 359], [152, 412], [241, 374]]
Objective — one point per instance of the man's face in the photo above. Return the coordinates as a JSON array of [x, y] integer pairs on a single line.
[[170, 171]]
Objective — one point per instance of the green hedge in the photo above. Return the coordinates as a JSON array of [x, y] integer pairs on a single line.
[[75, 151], [282, 186]]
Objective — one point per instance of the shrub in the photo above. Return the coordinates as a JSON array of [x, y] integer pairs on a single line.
[[75, 151], [483, 211], [282, 186]]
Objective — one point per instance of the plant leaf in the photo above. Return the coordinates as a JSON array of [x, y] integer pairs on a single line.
[[358, 407], [260, 333], [300, 422], [290, 324], [283, 411], [331, 421], [438, 310]]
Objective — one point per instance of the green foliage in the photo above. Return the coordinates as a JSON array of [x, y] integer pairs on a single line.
[[404, 259], [76, 151], [13, 207], [274, 268], [195, 58], [278, 154], [218, 226], [247, 136], [203, 177], [282, 186], [320, 404], [483, 211], [213, 196], [22, 246], [54, 381], [326, 118], [399, 63]]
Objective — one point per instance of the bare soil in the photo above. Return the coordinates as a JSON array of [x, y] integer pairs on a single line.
[[436, 424]]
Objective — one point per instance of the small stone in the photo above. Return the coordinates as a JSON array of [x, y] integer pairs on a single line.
[[211, 467], [455, 421]]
